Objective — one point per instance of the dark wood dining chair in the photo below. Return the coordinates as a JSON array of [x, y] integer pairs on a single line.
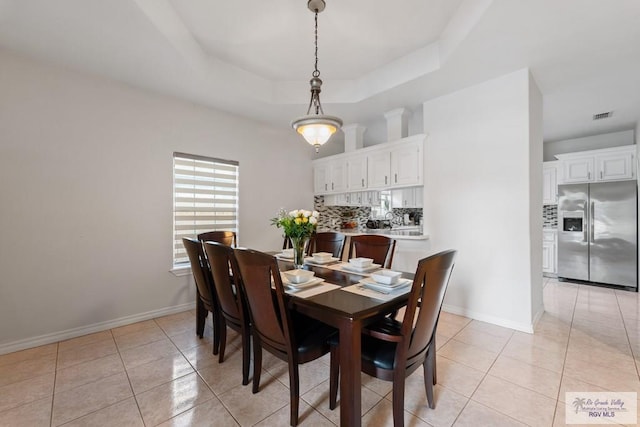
[[206, 300], [328, 241], [230, 300], [379, 248], [392, 350], [288, 335], [225, 237]]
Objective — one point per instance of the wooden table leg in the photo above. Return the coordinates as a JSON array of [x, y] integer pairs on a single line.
[[350, 364]]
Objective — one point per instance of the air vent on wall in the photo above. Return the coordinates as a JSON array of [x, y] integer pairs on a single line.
[[601, 116]]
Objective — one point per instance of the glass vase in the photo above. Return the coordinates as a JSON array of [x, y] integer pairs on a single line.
[[299, 245]]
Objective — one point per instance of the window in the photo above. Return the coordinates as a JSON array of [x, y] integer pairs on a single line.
[[205, 198]]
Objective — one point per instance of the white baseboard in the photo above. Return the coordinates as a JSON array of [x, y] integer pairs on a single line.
[[523, 327], [89, 329], [537, 316]]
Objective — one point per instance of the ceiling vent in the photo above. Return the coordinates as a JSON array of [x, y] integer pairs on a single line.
[[601, 116]]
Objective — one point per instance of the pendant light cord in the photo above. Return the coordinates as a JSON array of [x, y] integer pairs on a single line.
[[316, 72]]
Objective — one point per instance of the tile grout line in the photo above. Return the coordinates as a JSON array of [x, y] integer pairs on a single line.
[[55, 376], [200, 376], [624, 324], [127, 374], [115, 403], [483, 377]]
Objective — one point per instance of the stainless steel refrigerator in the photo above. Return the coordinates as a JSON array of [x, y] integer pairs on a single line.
[[597, 232]]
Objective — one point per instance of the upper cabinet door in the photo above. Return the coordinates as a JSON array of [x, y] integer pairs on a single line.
[[549, 184], [606, 164], [614, 166], [406, 164], [578, 170], [379, 169], [357, 170], [321, 180], [338, 176]]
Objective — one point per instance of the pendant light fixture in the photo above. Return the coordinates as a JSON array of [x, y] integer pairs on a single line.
[[316, 127]]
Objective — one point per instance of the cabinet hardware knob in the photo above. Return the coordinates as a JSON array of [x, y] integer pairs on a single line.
[[362, 182], [396, 178], [385, 180]]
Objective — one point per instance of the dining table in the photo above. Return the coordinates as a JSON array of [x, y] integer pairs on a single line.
[[348, 312]]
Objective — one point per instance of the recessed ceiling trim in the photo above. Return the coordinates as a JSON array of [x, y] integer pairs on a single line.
[[226, 77]]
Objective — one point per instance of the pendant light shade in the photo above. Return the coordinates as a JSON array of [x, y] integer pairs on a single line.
[[316, 128]]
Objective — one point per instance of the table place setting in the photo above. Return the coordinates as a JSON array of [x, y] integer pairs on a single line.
[[285, 255], [321, 259], [382, 285], [361, 266], [303, 284]]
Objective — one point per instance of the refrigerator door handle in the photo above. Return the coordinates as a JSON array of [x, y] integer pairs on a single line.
[[585, 222], [591, 222]]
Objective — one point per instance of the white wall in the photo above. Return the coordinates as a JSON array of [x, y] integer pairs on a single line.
[[480, 174], [594, 142], [535, 197], [86, 190]]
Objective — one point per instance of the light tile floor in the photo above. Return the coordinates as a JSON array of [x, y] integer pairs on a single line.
[[158, 373]]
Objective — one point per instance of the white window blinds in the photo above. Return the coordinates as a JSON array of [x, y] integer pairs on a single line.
[[205, 198]]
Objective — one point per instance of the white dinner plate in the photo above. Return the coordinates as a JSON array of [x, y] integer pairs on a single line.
[[284, 257], [399, 284], [366, 269], [386, 289], [314, 281], [315, 261]]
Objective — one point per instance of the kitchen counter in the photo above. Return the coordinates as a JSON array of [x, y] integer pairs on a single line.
[[397, 233]]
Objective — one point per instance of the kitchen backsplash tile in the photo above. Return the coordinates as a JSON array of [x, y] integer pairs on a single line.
[[550, 216], [332, 217]]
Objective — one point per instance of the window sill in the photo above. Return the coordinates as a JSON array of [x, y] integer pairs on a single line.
[[181, 270]]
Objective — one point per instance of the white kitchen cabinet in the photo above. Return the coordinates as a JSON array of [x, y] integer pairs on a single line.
[[357, 172], [358, 198], [607, 164], [550, 183], [354, 199], [338, 175], [578, 169], [390, 165], [549, 252], [417, 197], [330, 177], [407, 197], [615, 166], [379, 169], [373, 198], [321, 180], [407, 164]]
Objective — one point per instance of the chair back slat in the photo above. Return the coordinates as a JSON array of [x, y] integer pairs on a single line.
[[378, 248], [200, 270], [429, 287], [227, 238], [269, 317]]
